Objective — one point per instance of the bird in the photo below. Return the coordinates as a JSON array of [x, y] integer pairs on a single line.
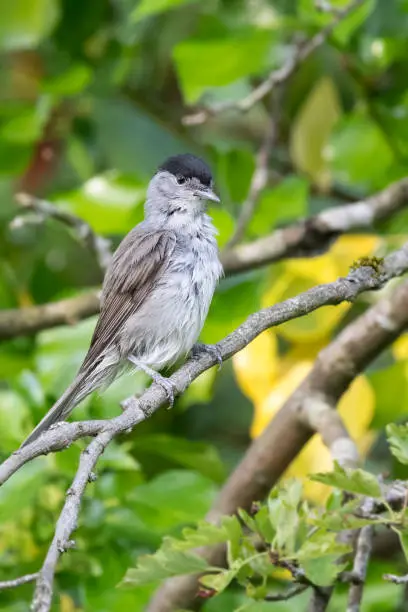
[[157, 289]]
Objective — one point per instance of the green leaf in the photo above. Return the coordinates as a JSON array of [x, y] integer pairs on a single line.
[[284, 515], [24, 485], [24, 23], [107, 202], [173, 498], [235, 299], [346, 27], [194, 455], [206, 534], [131, 140], [323, 570], [224, 223], [353, 21], [14, 415], [59, 354], [166, 562], [220, 580], [354, 481], [397, 436], [24, 128], [146, 8], [118, 457], [293, 191], [359, 153], [202, 64], [69, 83], [394, 377], [322, 543], [340, 522], [312, 129]]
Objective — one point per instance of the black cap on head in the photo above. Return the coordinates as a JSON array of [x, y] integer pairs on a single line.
[[188, 166]]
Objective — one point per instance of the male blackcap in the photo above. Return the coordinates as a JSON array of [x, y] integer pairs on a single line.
[[158, 288]]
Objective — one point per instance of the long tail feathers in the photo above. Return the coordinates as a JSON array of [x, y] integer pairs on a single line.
[[61, 409]]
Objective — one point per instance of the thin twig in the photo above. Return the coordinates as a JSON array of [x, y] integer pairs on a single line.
[[305, 238], [260, 176], [275, 77], [100, 246], [16, 582], [396, 579], [67, 521], [362, 557]]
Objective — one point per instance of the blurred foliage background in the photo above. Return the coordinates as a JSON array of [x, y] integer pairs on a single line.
[[92, 96]]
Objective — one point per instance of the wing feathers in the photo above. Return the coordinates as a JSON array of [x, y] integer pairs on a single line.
[[137, 266]]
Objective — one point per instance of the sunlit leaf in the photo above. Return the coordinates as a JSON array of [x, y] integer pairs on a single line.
[[199, 67], [166, 562], [24, 23], [400, 347], [256, 366], [206, 534], [312, 129], [355, 481]]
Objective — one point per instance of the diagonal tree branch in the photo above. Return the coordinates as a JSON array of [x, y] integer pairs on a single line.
[[305, 238], [269, 455], [359, 280], [260, 176], [276, 77], [12, 584]]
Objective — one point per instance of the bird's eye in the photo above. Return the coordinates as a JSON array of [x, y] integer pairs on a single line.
[[181, 180]]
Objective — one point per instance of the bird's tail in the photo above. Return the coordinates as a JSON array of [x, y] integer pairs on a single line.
[[62, 407]]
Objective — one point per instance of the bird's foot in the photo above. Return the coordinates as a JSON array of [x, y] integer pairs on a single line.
[[212, 349], [165, 384]]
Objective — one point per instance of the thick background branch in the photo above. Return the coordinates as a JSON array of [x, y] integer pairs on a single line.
[[309, 237]]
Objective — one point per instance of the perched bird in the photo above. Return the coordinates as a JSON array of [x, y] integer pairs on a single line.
[[157, 290]]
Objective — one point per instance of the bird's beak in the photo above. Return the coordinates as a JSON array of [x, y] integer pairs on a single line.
[[207, 194]]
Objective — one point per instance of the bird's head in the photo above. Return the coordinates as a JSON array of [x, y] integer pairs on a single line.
[[182, 186]]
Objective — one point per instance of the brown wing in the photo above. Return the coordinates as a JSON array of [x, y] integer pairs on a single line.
[[137, 265]]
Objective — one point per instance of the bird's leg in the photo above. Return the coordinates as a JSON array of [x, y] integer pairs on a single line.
[[198, 349], [156, 377]]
